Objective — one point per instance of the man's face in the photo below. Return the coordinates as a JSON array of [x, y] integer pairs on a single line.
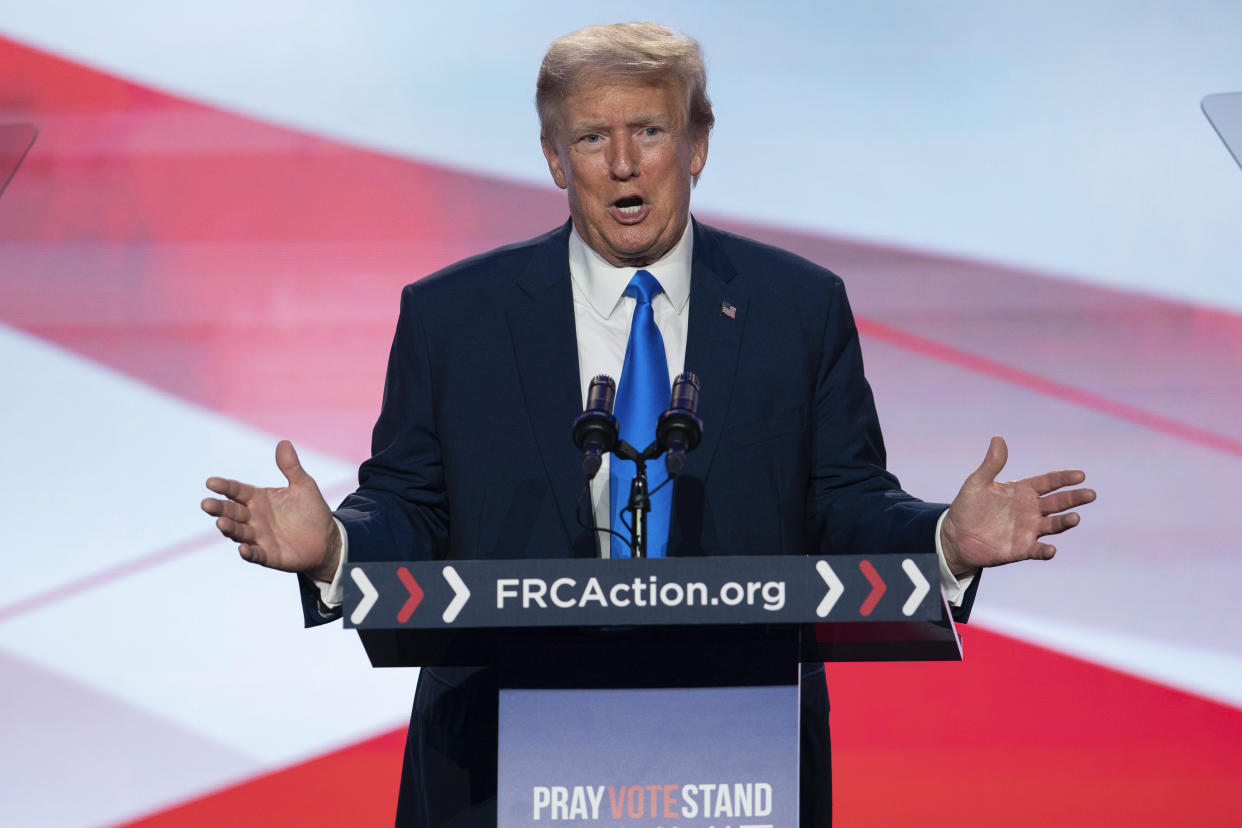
[[626, 157]]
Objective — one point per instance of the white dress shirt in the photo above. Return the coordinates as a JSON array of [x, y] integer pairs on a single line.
[[602, 316]]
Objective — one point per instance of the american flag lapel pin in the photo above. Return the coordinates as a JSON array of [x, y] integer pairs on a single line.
[[728, 310]]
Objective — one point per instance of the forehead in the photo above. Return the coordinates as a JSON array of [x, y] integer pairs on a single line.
[[607, 101]]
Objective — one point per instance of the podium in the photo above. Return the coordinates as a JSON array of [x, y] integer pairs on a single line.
[[650, 692]]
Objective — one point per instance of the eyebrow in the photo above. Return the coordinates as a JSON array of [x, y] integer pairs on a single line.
[[643, 119], [588, 126]]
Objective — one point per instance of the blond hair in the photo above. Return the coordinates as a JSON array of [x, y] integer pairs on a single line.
[[642, 52]]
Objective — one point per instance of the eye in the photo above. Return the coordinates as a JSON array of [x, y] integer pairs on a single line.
[[593, 138], [651, 131]]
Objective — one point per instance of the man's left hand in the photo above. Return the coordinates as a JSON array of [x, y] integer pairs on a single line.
[[991, 523]]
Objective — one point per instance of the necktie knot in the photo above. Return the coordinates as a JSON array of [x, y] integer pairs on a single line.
[[643, 287]]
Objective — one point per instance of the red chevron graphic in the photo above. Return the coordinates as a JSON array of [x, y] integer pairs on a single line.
[[416, 595], [877, 587]]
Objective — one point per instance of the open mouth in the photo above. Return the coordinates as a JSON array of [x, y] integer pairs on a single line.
[[629, 206]]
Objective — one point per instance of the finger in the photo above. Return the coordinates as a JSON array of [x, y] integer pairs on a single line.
[[256, 554], [1060, 501], [1042, 552], [1056, 524], [1053, 480], [253, 554], [231, 529], [225, 508], [994, 460], [287, 461], [232, 489]]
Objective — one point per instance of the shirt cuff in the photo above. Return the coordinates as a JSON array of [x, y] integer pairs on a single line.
[[332, 593], [954, 590]]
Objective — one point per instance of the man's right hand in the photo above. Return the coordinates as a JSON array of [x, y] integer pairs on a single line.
[[288, 528]]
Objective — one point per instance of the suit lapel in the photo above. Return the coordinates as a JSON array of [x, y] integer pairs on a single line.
[[541, 324], [713, 341]]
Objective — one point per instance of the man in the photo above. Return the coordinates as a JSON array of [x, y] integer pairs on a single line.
[[489, 366]]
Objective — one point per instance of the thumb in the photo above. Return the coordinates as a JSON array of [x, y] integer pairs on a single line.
[[287, 462], [994, 460]]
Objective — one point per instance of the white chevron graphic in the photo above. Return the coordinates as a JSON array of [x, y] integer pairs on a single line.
[[835, 588], [460, 594], [369, 596], [921, 587]]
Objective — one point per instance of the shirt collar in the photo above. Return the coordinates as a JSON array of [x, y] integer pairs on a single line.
[[603, 284]]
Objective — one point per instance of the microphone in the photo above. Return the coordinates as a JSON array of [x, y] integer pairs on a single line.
[[595, 430], [679, 429]]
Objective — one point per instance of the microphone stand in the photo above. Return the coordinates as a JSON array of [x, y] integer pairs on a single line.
[[678, 428], [640, 502]]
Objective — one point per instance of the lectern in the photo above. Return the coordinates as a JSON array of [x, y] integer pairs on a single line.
[[659, 692]]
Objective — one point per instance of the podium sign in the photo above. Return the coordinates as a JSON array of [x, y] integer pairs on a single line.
[[563, 592], [649, 758], [843, 607]]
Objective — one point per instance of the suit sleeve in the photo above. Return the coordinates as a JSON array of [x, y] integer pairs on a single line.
[[400, 509], [854, 504]]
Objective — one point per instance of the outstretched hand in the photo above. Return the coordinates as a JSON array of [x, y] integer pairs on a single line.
[[991, 523], [288, 528]]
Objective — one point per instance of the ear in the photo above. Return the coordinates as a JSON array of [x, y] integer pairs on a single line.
[[698, 156], [552, 153]]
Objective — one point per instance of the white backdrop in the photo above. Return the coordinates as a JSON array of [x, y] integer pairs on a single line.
[[1064, 136]]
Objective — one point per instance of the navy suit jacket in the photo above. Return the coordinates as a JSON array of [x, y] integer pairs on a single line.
[[483, 388], [472, 456]]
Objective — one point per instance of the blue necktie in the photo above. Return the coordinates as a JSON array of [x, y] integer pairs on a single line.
[[642, 397]]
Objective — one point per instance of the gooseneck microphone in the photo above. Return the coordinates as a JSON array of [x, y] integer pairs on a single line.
[[595, 430], [679, 429]]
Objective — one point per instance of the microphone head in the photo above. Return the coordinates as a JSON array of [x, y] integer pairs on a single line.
[[595, 430], [679, 428], [685, 393], [601, 394]]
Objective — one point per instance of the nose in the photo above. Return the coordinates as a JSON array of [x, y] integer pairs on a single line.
[[623, 164]]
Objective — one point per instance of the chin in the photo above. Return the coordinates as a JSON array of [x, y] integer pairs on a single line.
[[631, 247]]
